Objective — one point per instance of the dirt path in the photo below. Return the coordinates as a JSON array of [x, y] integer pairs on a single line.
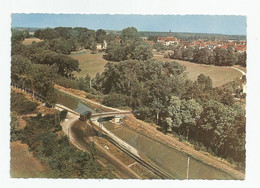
[[22, 122], [243, 73], [151, 131]]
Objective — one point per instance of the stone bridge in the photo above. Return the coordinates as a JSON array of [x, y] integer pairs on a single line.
[[117, 116]]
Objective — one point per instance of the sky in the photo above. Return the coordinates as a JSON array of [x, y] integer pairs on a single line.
[[231, 25]]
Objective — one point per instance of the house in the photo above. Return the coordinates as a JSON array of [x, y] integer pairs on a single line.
[[167, 41], [150, 42], [85, 115], [240, 48], [102, 46]]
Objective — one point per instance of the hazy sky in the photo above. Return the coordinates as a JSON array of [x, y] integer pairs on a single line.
[[176, 23]]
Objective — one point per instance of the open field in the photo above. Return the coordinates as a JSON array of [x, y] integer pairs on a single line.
[[89, 63], [23, 164], [219, 75], [93, 63], [29, 41]]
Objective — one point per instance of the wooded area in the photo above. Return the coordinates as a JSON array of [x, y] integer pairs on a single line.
[[156, 91], [44, 137]]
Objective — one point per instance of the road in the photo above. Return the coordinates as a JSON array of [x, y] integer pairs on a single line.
[[72, 121], [243, 73]]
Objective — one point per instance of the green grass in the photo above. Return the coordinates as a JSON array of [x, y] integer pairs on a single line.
[[89, 63], [219, 75], [93, 63]]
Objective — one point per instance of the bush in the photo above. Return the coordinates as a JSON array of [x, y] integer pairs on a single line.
[[21, 105], [63, 115], [116, 100], [90, 96], [68, 83], [15, 129]]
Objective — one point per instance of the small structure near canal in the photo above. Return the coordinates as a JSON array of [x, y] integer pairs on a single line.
[[85, 115]]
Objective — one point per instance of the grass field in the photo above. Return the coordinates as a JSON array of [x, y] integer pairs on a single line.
[[89, 63], [23, 164], [93, 63], [29, 41], [219, 75]]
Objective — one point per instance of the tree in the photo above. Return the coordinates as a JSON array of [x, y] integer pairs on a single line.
[[20, 67], [130, 47], [19, 35], [231, 58], [65, 64], [190, 111], [116, 100], [142, 52], [216, 123], [242, 59], [130, 34], [205, 82], [100, 35], [174, 118], [204, 56], [15, 127], [159, 47], [48, 34], [188, 54]]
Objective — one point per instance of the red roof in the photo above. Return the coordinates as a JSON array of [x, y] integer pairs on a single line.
[[150, 42], [168, 38], [240, 48], [224, 46], [230, 44]]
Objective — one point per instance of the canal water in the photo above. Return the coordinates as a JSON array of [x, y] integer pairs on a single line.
[[168, 159], [72, 102]]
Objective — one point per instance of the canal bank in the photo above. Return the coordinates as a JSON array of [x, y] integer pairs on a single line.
[[197, 169]]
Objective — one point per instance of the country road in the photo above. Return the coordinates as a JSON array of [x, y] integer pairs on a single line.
[[243, 73], [122, 169]]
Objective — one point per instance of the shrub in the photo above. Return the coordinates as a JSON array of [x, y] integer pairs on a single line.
[[116, 100], [21, 105], [63, 115]]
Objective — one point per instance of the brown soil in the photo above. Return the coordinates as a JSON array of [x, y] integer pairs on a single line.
[[23, 164], [29, 41]]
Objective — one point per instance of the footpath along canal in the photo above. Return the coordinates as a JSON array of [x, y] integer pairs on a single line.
[[178, 164]]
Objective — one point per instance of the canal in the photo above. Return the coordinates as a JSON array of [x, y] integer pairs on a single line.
[[170, 160]]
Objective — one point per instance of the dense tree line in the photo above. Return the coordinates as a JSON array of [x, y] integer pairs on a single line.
[[37, 66], [66, 39], [35, 77], [159, 92], [218, 56], [192, 36]]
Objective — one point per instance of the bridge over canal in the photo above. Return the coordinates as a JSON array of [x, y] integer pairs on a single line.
[[117, 116]]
